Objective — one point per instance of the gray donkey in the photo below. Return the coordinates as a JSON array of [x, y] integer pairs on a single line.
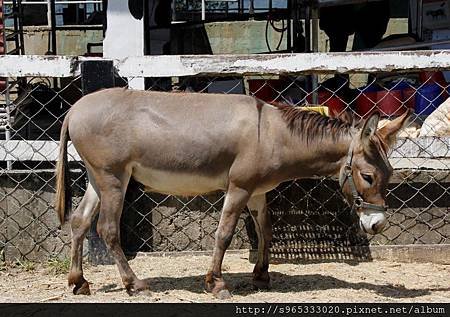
[[191, 144]]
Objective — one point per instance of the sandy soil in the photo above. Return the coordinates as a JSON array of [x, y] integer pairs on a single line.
[[180, 279]]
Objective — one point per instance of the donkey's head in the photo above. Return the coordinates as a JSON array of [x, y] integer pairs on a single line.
[[365, 173]]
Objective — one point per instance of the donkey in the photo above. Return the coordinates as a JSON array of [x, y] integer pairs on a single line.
[[191, 144]]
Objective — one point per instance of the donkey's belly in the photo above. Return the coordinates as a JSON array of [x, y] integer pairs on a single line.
[[178, 183]]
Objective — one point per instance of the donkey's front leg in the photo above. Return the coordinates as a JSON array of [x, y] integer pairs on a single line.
[[235, 200], [263, 226]]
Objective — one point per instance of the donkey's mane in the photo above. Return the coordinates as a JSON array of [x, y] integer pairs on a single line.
[[312, 125]]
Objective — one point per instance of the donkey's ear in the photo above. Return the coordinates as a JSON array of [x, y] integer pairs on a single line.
[[369, 128], [389, 131]]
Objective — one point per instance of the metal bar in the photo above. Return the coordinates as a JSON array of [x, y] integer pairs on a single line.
[[16, 24], [77, 15], [203, 10], [307, 29], [49, 14], [289, 27], [419, 19], [104, 16], [20, 27], [315, 30], [53, 26], [7, 101], [147, 30], [8, 120], [315, 49]]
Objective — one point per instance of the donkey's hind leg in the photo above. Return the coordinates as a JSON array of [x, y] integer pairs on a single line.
[[112, 193], [80, 223], [263, 226]]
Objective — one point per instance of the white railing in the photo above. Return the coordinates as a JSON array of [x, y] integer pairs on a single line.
[[272, 64], [226, 65]]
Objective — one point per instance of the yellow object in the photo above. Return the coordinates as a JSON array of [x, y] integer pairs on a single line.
[[320, 109]]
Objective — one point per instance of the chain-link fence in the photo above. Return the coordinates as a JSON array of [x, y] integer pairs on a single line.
[[310, 219]]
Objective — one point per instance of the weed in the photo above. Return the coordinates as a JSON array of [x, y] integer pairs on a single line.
[[58, 266], [26, 265]]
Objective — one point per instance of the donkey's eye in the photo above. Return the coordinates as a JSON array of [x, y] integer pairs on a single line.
[[367, 178]]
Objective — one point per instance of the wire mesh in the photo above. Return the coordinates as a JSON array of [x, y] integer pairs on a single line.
[[309, 216]]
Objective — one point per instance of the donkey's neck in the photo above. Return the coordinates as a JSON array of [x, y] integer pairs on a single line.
[[322, 157], [312, 144]]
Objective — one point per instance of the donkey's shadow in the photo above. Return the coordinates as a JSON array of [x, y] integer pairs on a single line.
[[240, 284]]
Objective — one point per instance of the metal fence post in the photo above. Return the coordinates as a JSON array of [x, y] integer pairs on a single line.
[[97, 75]]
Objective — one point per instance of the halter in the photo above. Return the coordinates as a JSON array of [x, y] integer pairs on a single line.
[[358, 201]]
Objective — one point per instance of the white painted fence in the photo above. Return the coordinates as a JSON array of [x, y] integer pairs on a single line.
[[420, 181], [406, 155]]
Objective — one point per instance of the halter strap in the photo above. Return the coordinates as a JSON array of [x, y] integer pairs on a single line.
[[358, 201]]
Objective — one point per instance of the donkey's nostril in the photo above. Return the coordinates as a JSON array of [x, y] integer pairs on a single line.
[[374, 227]]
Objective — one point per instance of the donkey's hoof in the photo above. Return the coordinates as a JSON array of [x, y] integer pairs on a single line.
[[261, 284], [209, 286], [222, 294], [82, 288], [139, 287]]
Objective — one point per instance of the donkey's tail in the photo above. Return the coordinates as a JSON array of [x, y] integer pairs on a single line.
[[63, 200]]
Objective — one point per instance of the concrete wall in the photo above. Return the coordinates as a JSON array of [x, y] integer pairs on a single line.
[[244, 37], [69, 42], [29, 227], [310, 221]]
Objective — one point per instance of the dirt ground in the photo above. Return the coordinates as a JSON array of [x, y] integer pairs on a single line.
[[180, 279]]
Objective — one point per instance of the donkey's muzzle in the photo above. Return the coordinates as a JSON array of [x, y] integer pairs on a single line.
[[372, 223]]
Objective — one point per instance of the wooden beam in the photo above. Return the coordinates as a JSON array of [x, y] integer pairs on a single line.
[[15, 150], [423, 147], [37, 65], [192, 65], [277, 64]]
